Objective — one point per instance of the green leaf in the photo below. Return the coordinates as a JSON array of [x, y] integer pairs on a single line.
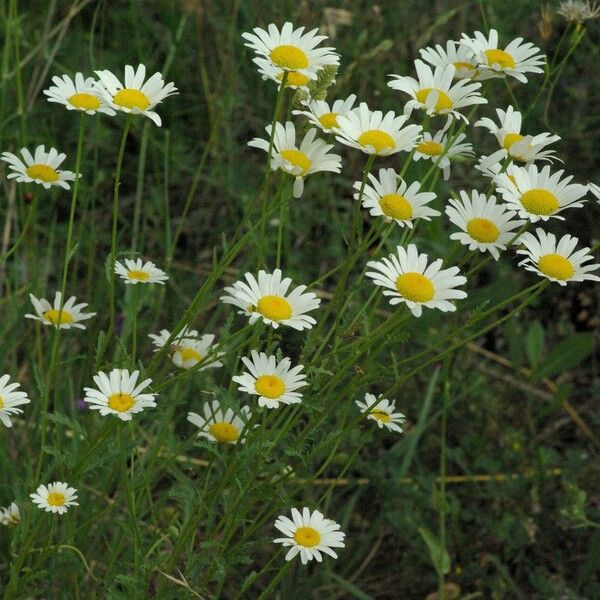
[[353, 590], [439, 556], [568, 354], [535, 343]]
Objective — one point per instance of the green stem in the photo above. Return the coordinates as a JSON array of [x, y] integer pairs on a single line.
[[26, 225], [356, 234]]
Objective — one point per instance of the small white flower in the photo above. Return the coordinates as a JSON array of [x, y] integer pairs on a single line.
[[10, 398], [56, 497], [455, 54], [79, 94], [578, 11], [324, 116], [187, 349], [382, 412], [137, 271], [433, 147], [10, 515], [223, 427], [69, 316], [492, 164]]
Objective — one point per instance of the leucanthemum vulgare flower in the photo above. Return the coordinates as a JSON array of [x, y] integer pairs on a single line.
[[539, 194], [514, 60], [391, 197], [323, 115], [10, 515], [79, 94], [460, 57], [595, 189], [312, 156], [578, 11], [56, 497], [382, 412], [492, 164], [10, 398], [272, 381], [268, 299], [519, 147], [407, 278], [376, 133], [436, 92], [309, 534], [223, 427], [137, 271], [119, 393], [485, 225], [69, 316], [187, 349], [557, 262], [41, 168], [135, 96], [444, 146]]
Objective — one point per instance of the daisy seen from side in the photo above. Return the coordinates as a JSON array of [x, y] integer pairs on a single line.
[[323, 115], [221, 426], [137, 271], [382, 411], [79, 93], [61, 315], [188, 349], [455, 54], [11, 397], [441, 148]]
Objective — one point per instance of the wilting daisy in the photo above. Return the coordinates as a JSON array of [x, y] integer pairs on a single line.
[[435, 92], [79, 94], [460, 57], [391, 197], [310, 157], [135, 96], [324, 116], [272, 381], [578, 11], [56, 497], [41, 168], [119, 393], [267, 298], [309, 534], [515, 60], [539, 194], [223, 427], [376, 133], [10, 515], [382, 412], [407, 278], [10, 398], [556, 261], [523, 148], [187, 349], [486, 226], [69, 316], [441, 148], [137, 271]]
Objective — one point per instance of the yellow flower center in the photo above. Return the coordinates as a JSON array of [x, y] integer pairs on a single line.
[[329, 120], [294, 78], [43, 172], [289, 57], [466, 66], [500, 57], [138, 275], [430, 147], [224, 432], [307, 537], [120, 402], [1, 403], [380, 140], [188, 353], [274, 308], [510, 139], [269, 386], [396, 207], [539, 202], [296, 158], [415, 287], [57, 317], [442, 103], [130, 98], [557, 266], [56, 499], [380, 416], [85, 101], [483, 230]]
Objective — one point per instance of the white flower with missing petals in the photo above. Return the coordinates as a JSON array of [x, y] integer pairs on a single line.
[[324, 116], [221, 426], [10, 398], [187, 349], [80, 94], [382, 412], [65, 317], [441, 148], [10, 515]]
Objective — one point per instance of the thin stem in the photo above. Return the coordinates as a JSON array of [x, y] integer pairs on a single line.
[[26, 225]]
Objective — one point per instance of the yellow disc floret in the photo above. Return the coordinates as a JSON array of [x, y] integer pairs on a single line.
[[500, 57], [443, 102], [56, 499], [380, 415], [510, 139], [415, 287], [396, 207], [269, 386], [329, 120], [296, 158], [380, 140], [274, 308], [120, 402], [540, 202], [188, 353], [430, 147], [85, 101], [556, 266], [483, 230], [294, 78], [131, 98], [289, 57], [307, 537], [138, 275], [224, 432], [43, 172], [57, 317]]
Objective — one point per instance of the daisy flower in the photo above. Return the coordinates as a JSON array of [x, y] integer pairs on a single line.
[[273, 382], [293, 81], [492, 164], [323, 115], [436, 146], [79, 94], [70, 315], [523, 148], [136, 96], [515, 60], [10, 398], [435, 92], [310, 157], [485, 225], [309, 534], [595, 189], [556, 261], [41, 168], [460, 57], [382, 412], [408, 279], [376, 133], [10, 515], [538, 194], [223, 427], [268, 299], [119, 393], [391, 197], [578, 11], [137, 271], [56, 497], [187, 349]]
